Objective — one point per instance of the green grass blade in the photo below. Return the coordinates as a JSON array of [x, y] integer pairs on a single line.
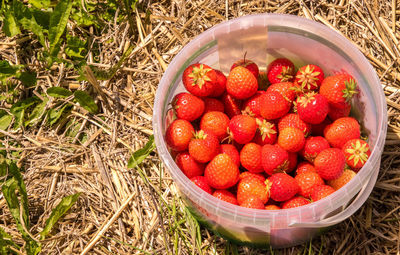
[[58, 22], [139, 155], [6, 242], [86, 101]]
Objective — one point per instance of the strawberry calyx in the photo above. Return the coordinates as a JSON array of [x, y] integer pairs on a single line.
[[266, 128], [308, 77], [268, 185], [200, 135], [350, 90], [307, 98], [282, 168], [285, 74], [358, 152], [199, 75], [248, 111], [310, 156]]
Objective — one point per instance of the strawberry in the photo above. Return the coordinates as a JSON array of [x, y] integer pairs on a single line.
[[295, 202], [250, 158], [221, 172], [356, 152], [341, 131], [337, 113], [179, 134], [213, 105], [280, 70], [251, 186], [248, 64], [282, 187], [303, 167], [272, 207], [285, 89], [292, 161], [232, 106], [330, 163], [309, 77], [253, 202], [202, 183], [220, 84], [247, 174], [266, 132], [199, 79], [312, 107], [188, 165], [226, 196], [204, 147], [313, 146], [241, 83], [232, 152], [321, 191], [252, 105], [187, 106], [274, 159], [342, 180], [318, 129], [339, 89], [293, 120], [215, 123], [242, 128], [291, 139], [307, 181], [273, 105]]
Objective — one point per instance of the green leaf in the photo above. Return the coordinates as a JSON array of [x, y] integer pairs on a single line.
[[75, 47], [86, 101], [58, 22], [82, 18], [65, 204], [36, 113], [10, 26], [5, 242], [5, 121], [40, 4], [28, 79], [18, 109], [55, 114], [139, 155], [58, 92], [42, 18], [7, 70]]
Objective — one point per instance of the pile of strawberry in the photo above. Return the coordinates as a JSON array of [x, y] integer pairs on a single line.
[[283, 146]]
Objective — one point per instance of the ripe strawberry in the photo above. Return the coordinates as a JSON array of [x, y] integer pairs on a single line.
[[199, 79], [273, 105], [313, 146], [202, 183], [282, 187], [252, 105], [266, 132], [339, 89], [292, 161], [204, 147], [337, 113], [213, 105], [295, 202], [341, 131], [179, 134], [272, 207], [318, 129], [309, 77], [253, 202], [232, 152], [307, 181], [251, 186], [342, 180], [321, 191], [220, 84], [330, 163], [356, 152], [232, 106], [242, 128], [188, 165], [285, 89], [274, 159], [280, 70], [187, 106], [304, 167], [248, 64], [247, 174], [312, 107], [291, 139], [226, 196], [221, 172], [241, 83], [215, 123], [250, 158], [293, 120]]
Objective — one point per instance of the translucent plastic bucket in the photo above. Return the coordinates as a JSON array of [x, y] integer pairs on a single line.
[[265, 37]]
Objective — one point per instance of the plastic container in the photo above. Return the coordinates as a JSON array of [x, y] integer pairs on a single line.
[[265, 37]]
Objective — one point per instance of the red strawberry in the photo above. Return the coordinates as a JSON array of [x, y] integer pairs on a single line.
[[318, 129], [280, 70], [247, 174], [226, 196], [273, 105], [337, 113], [253, 202], [242, 128], [179, 134], [232, 106], [356, 152], [295, 202], [215, 123], [307, 181], [241, 83], [266, 132], [330, 163], [272, 207], [199, 79], [221, 172], [188, 165], [248, 64], [250, 158], [339, 89], [282, 187], [252, 105], [293, 120], [274, 159], [303, 167], [309, 77], [321, 191], [291, 139], [220, 84], [204, 147], [285, 89], [187, 106], [312, 107], [342, 180], [341, 131], [213, 105], [232, 153], [313, 146], [251, 186], [292, 161], [202, 183]]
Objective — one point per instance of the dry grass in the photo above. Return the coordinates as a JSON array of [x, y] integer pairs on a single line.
[[125, 211]]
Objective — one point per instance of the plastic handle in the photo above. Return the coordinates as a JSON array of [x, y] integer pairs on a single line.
[[346, 213]]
